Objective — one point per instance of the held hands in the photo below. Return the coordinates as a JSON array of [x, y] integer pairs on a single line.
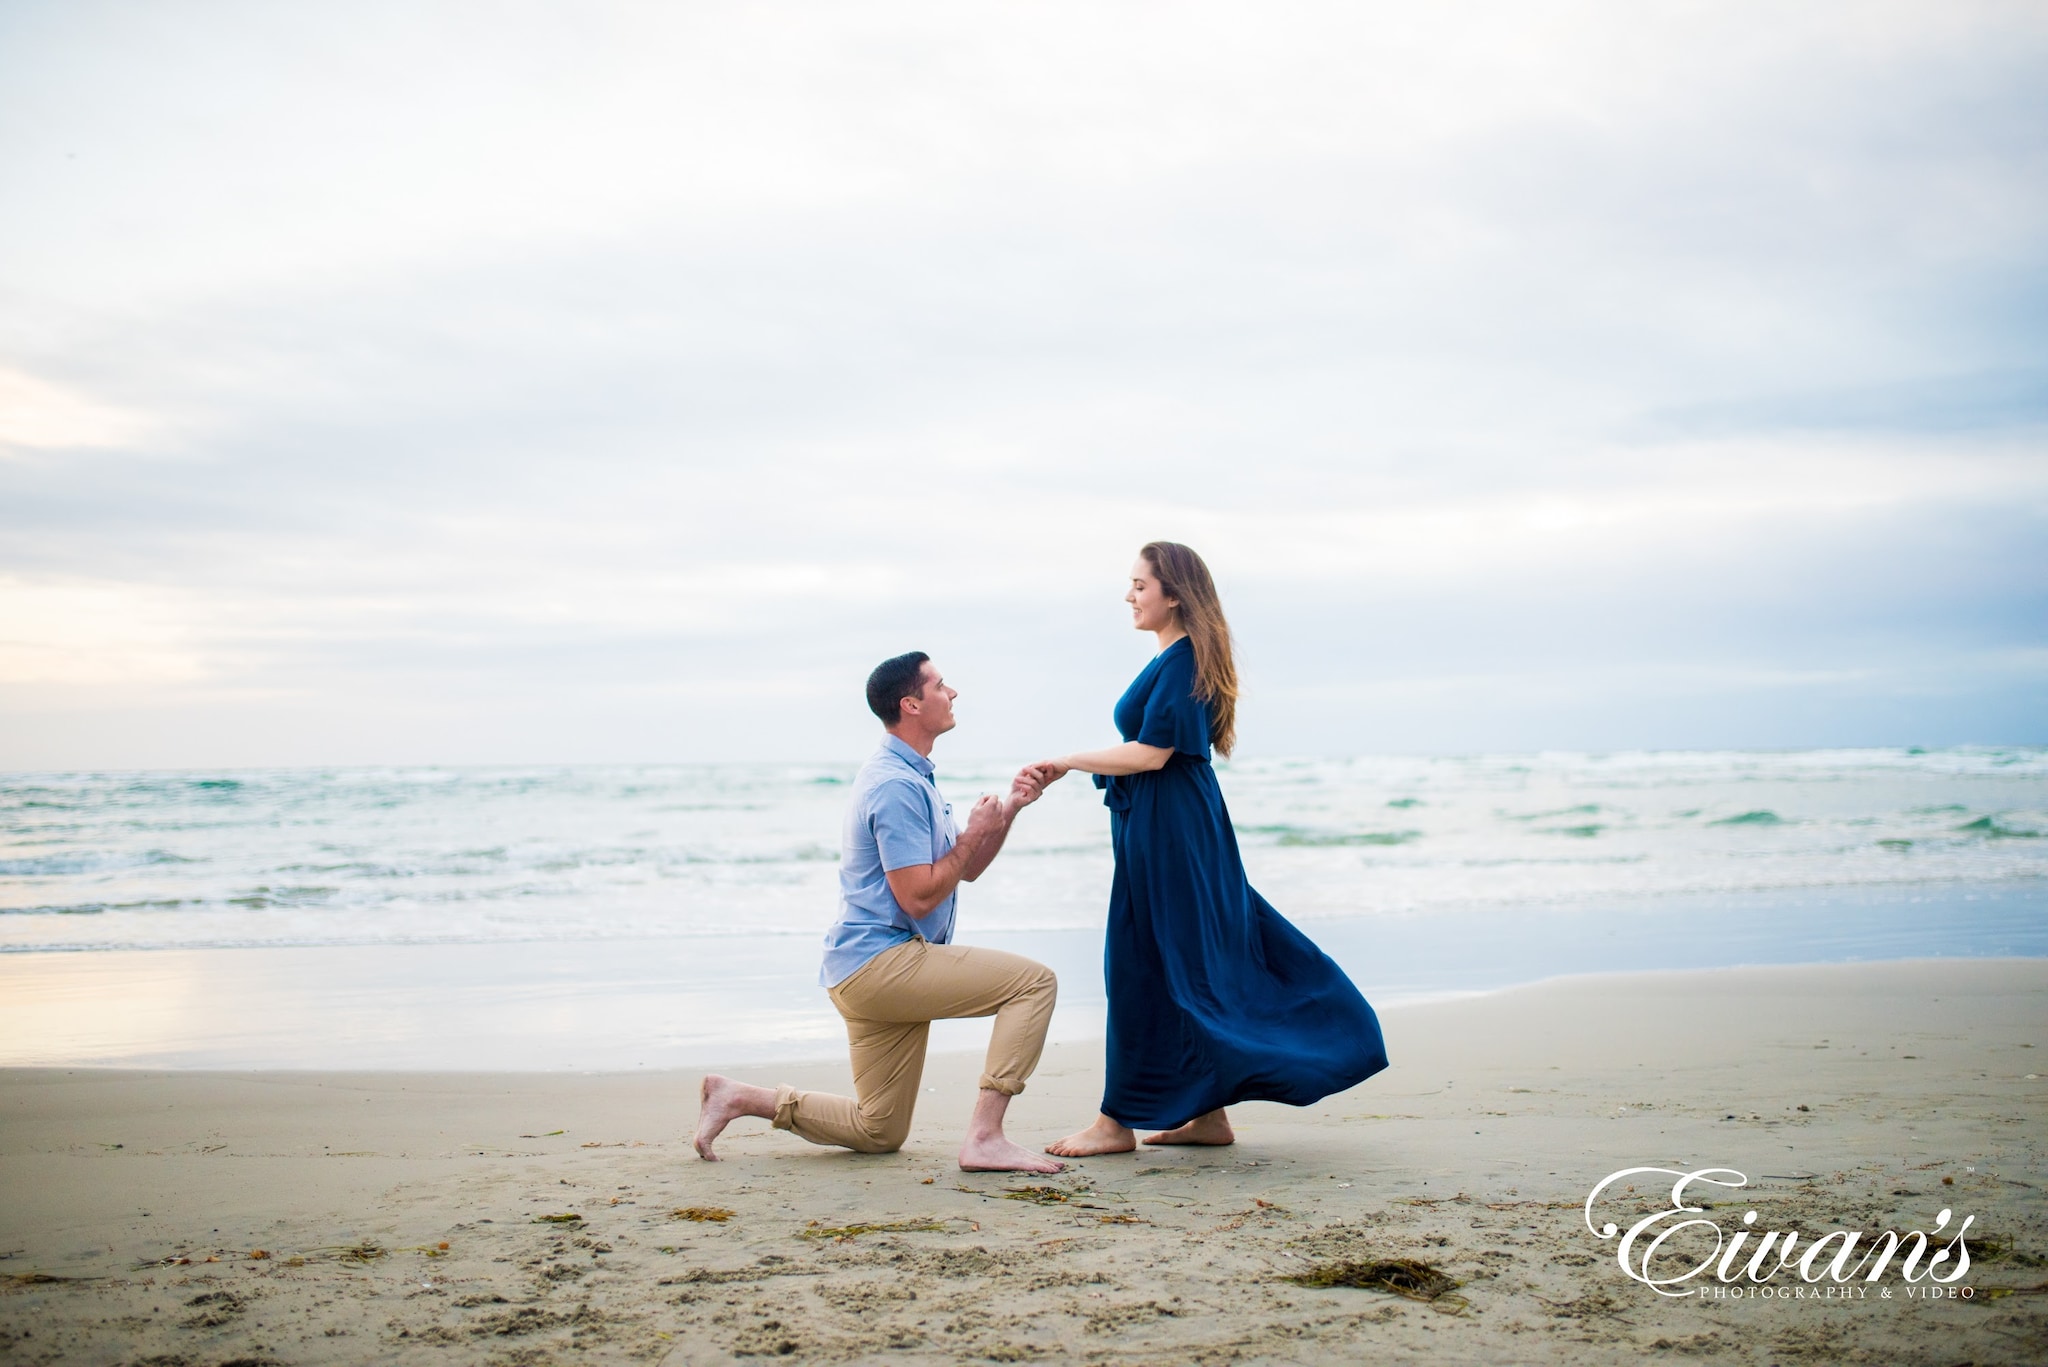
[[991, 814], [1025, 789]]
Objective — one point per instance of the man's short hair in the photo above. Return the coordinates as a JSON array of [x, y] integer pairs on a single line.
[[893, 681]]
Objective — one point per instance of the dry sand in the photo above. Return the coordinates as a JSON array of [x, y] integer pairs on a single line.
[[1860, 1096]]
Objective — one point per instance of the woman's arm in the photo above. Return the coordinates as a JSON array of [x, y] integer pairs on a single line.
[[1131, 757]]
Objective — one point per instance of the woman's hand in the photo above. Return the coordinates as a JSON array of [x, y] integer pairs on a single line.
[[1048, 771]]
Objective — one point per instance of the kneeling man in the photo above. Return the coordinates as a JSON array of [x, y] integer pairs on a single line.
[[890, 964]]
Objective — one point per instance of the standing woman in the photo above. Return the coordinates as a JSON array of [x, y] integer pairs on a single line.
[[1213, 997]]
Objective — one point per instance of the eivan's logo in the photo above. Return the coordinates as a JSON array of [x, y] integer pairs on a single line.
[[1832, 1256]]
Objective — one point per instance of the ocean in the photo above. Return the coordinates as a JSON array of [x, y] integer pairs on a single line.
[[438, 905]]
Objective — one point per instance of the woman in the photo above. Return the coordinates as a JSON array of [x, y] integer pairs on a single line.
[[1213, 997]]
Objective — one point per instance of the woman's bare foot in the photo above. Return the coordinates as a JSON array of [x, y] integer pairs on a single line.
[[1213, 1128], [1104, 1136], [720, 1101], [997, 1154]]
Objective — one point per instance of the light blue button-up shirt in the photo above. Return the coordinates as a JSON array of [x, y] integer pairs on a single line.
[[896, 820]]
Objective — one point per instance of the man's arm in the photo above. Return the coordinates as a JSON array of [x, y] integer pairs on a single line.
[[919, 888], [1024, 790]]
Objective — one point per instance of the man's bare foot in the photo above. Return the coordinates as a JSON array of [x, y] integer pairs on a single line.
[[1104, 1136], [997, 1154], [1213, 1128], [720, 1101], [988, 1149]]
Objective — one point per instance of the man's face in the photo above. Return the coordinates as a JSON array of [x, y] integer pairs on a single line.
[[934, 709]]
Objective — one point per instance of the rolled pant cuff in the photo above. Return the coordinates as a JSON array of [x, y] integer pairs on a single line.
[[786, 1098], [991, 1083]]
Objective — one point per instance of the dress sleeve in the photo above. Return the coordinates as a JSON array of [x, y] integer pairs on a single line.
[[1175, 719], [901, 818]]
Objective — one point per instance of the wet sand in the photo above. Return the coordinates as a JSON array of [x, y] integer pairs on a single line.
[[1853, 1097]]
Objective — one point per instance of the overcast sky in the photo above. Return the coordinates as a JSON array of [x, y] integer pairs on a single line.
[[428, 382]]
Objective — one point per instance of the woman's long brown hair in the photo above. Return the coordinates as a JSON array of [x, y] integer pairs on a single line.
[[1185, 579]]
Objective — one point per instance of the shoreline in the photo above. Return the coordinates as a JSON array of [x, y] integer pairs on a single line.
[[1847, 1093], [648, 1004]]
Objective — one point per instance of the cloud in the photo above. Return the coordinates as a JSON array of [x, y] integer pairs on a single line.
[[1984, 401], [73, 633], [456, 382], [37, 415]]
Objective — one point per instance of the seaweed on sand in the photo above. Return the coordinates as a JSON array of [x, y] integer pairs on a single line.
[[814, 1230], [717, 1215], [1046, 1196], [173, 1260], [1994, 1248], [39, 1278], [1417, 1281], [350, 1253]]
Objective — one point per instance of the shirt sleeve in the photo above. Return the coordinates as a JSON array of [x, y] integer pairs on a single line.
[[901, 818], [1175, 719]]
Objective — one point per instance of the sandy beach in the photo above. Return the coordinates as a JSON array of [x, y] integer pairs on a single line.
[[202, 1219]]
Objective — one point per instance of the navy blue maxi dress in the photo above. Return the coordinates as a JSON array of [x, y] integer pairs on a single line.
[[1213, 997]]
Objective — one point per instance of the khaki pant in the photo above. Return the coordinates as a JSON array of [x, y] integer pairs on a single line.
[[889, 1005]]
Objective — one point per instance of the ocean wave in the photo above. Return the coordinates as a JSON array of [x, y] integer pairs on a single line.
[[1094, 848], [1991, 829], [1583, 809], [1325, 839], [370, 855], [96, 908], [257, 899], [1530, 861], [54, 865]]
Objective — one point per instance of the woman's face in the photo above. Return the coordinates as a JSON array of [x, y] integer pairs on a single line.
[[1151, 609]]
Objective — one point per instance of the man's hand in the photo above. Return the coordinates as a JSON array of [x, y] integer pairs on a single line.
[[985, 820], [920, 888]]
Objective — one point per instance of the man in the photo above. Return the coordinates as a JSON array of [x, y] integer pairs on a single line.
[[890, 964]]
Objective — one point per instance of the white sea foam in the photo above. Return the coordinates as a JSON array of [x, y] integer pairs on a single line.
[[369, 856]]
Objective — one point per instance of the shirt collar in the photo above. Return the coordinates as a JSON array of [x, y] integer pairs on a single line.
[[909, 756]]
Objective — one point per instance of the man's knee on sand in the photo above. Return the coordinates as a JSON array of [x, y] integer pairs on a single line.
[[865, 1130], [882, 1122], [882, 1133]]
